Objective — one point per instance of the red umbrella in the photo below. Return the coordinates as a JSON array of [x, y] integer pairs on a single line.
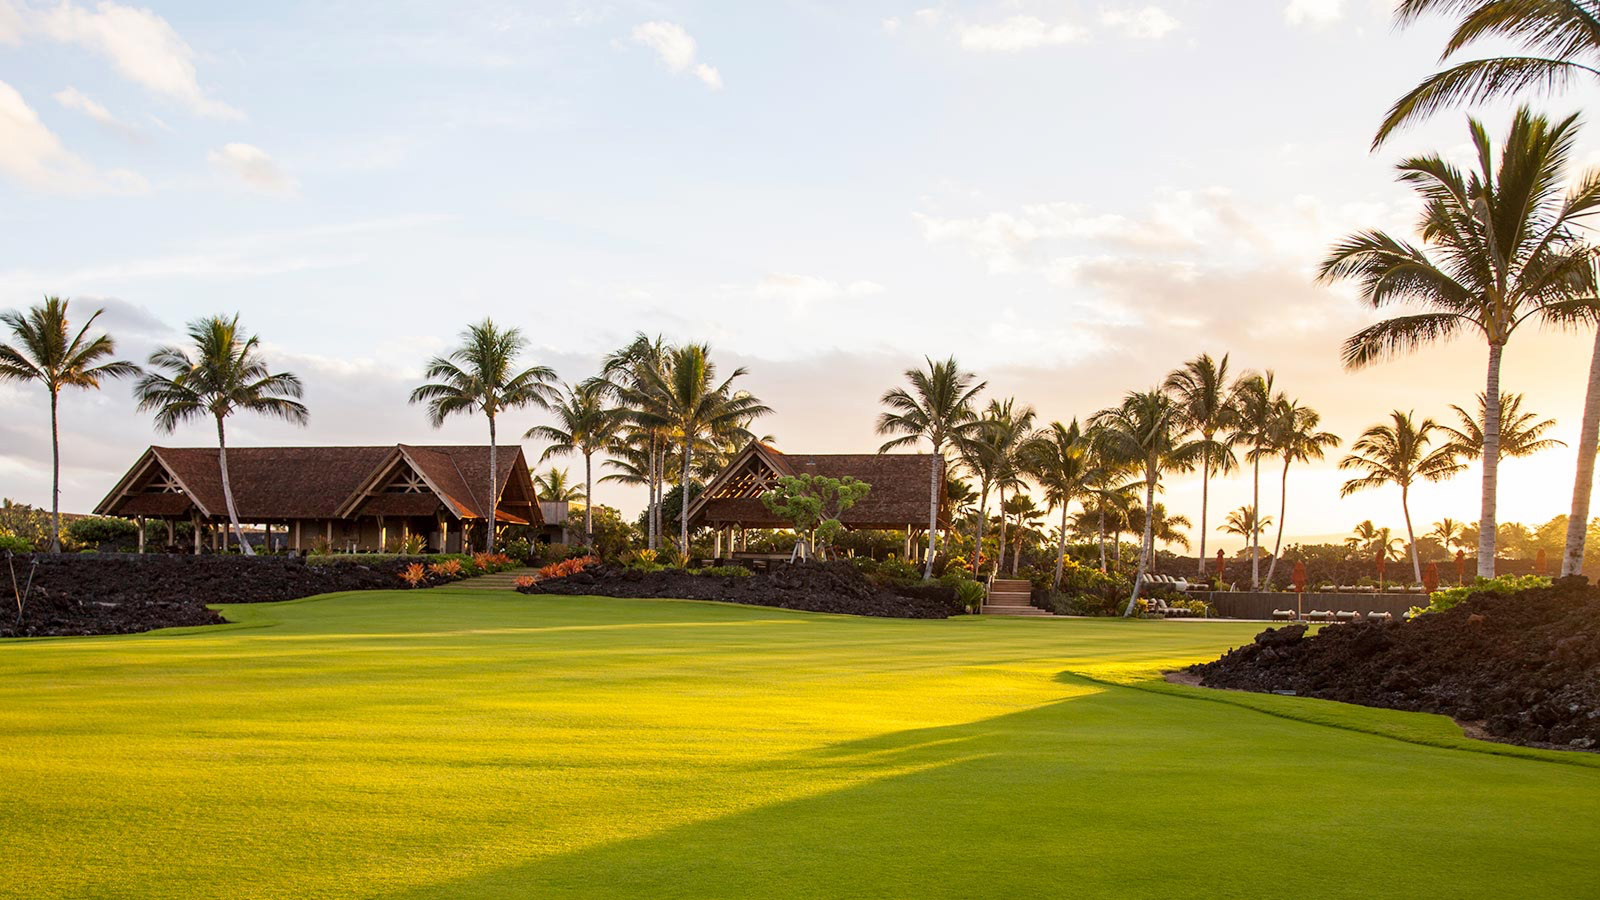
[[1461, 567], [1539, 564], [1299, 577], [1430, 577], [1221, 565]]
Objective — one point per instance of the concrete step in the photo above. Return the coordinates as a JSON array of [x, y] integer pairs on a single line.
[[1011, 584], [990, 609]]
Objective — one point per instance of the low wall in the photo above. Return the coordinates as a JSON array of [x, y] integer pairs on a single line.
[[1260, 604]]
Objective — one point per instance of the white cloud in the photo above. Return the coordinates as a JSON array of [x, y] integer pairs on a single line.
[[76, 100], [141, 45], [800, 291], [251, 165], [1019, 33], [1150, 23], [677, 50], [32, 154], [10, 23], [1313, 12], [891, 24]]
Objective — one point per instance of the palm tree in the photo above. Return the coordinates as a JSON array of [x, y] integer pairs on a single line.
[[1398, 453], [480, 376], [584, 425], [1243, 522], [937, 408], [1165, 528], [224, 374], [1027, 514], [48, 352], [1005, 431], [630, 374], [695, 407], [1295, 438], [1254, 424], [1521, 433], [556, 485], [1449, 533], [1058, 458], [1110, 488], [1561, 37], [1148, 427], [1500, 249], [1561, 42], [1211, 406]]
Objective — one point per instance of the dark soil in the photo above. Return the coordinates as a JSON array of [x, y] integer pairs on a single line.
[[1522, 668], [86, 594], [833, 587]]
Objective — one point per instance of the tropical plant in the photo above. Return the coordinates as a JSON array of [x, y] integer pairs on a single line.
[[812, 504], [1211, 406], [1167, 528], [556, 485], [584, 425], [1521, 433], [1148, 427], [47, 351], [1058, 459], [638, 454], [936, 407], [1295, 438], [1021, 509], [695, 407], [222, 375], [1398, 453], [1004, 431], [1449, 533], [1243, 522], [1499, 249], [481, 376], [1255, 427]]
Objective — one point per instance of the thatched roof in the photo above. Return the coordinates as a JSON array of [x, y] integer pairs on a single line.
[[899, 494], [282, 483]]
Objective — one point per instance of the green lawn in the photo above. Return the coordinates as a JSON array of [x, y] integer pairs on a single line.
[[461, 744]]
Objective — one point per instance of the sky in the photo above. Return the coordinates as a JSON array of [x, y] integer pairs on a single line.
[[1072, 198]]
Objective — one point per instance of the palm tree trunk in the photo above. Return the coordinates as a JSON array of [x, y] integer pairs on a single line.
[[55, 481], [588, 499], [494, 482], [977, 541], [683, 503], [1283, 507], [934, 472], [1583, 480], [1255, 530], [227, 490], [1405, 507], [1144, 544], [1205, 500], [1000, 544], [1491, 464], [653, 518], [1061, 547], [1102, 535]]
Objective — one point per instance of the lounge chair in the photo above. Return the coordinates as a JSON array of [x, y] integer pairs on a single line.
[[1348, 615], [1283, 615], [1320, 615], [1379, 616]]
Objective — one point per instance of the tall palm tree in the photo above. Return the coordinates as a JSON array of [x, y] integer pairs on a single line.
[[556, 485], [1210, 404], [222, 375], [981, 457], [48, 352], [695, 407], [1398, 453], [1149, 427], [1058, 458], [1165, 528], [1004, 431], [1500, 249], [937, 408], [481, 376], [1254, 423], [1243, 522], [1295, 438], [584, 425], [1521, 433], [1027, 514], [1110, 487], [631, 372], [1561, 39]]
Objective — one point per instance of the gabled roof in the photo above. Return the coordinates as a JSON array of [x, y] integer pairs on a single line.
[[899, 494], [325, 482]]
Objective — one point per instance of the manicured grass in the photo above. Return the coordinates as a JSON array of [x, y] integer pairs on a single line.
[[449, 743]]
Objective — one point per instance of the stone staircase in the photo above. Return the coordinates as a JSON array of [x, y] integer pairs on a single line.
[[1009, 597], [498, 581]]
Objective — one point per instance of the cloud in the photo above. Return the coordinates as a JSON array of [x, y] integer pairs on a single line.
[[1151, 23], [677, 50], [141, 46], [1313, 12], [76, 100], [1019, 33], [801, 291], [251, 165], [32, 154], [11, 24]]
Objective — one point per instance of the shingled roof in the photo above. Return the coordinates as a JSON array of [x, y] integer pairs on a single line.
[[280, 483], [899, 494]]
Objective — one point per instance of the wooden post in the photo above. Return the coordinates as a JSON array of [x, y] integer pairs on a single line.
[[140, 520], [716, 546], [172, 534], [297, 535], [906, 554], [195, 520], [330, 535], [444, 535], [383, 536]]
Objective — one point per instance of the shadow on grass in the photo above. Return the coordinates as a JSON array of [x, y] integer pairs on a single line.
[[1111, 793]]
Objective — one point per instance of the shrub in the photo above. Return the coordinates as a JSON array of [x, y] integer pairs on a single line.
[[411, 545], [518, 549], [492, 562], [414, 575], [10, 543], [727, 571], [450, 568], [1442, 600], [567, 567], [970, 593], [89, 532], [524, 581]]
